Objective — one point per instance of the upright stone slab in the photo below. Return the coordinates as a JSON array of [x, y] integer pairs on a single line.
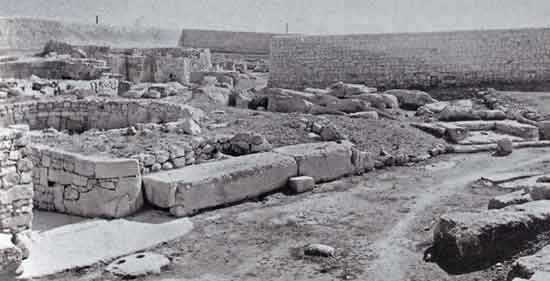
[[323, 161], [192, 188]]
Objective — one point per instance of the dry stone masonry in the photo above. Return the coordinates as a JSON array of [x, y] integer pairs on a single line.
[[422, 60], [85, 186]]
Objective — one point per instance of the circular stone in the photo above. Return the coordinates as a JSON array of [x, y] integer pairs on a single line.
[[138, 264]]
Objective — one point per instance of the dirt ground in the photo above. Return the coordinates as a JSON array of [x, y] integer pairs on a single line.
[[380, 224]]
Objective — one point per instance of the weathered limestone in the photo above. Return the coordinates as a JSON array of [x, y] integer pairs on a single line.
[[526, 267], [515, 128], [16, 189], [80, 115], [11, 256], [83, 244], [301, 184], [513, 198], [190, 189], [139, 264], [321, 161], [538, 276], [544, 129], [85, 186], [464, 242], [411, 99], [453, 132]]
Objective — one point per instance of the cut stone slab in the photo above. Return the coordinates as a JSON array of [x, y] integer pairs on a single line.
[[466, 242], [526, 267], [301, 184], [477, 125], [544, 129], [514, 198], [486, 137], [138, 265], [323, 161], [453, 132], [430, 128], [84, 244], [192, 188], [528, 132]]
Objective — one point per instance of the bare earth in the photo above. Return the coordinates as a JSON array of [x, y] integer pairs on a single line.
[[379, 223]]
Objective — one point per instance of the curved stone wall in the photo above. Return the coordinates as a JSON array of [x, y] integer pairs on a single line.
[[81, 115]]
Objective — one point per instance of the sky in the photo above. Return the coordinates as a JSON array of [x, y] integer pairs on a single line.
[[302, 16]]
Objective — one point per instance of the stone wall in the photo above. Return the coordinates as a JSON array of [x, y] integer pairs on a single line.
[[227, 41], [81, 115], [16, 189], [422, 60], [54, 68], [85, 185]]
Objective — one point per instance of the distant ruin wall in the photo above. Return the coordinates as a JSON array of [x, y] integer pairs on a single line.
[[82, 115], [227, 41], [33, 34], [423, 60]]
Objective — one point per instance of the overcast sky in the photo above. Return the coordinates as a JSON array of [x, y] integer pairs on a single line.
[[303, 16]]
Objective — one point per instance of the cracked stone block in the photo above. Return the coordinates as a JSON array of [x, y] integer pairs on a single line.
[[323, 161], [192, 188]]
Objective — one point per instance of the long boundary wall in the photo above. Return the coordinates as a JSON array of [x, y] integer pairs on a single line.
[[421, 60], [227, 41]]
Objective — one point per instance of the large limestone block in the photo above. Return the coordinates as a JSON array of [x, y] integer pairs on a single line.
[[114, 198], [515, 128], [465, 242], [544, 128], [322, 161], [197, 187], [411, 99]]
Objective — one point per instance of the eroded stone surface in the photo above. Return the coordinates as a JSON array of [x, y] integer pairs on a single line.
[[138, 264], [190, 189]]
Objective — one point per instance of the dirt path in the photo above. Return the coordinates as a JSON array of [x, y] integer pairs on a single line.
[[380, 224], [398, 256]]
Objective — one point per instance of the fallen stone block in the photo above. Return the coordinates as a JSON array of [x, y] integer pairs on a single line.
[[323, 162], [456, 113], [453, 132], [526, 267], [544, 130], [193, 188], [513, 198], [430, 128], [528, 132], [504, 147], [83, 244], [371, 115], [466, 242], [411, 99], [301, 184]]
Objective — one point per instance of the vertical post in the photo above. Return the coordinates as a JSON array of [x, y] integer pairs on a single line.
[[287, 27], [96, 19]]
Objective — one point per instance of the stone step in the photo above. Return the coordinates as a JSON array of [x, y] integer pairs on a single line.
[[466, 241]]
